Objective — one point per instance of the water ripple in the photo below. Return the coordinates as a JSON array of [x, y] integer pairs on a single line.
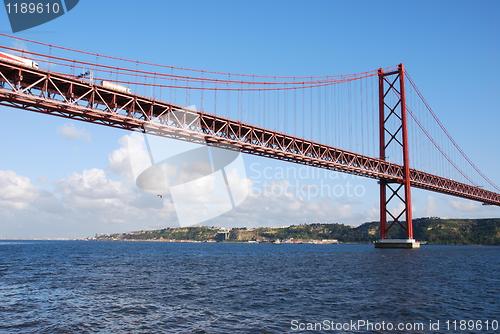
[[118, 287]]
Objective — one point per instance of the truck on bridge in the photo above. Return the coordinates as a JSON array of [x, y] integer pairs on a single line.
[[18, 60]]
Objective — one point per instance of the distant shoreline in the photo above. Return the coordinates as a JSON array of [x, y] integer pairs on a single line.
[[308, 242], [432, 230], [225, 242]]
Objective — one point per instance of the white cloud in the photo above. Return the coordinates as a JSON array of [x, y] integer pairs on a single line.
[[92, 184], [432, 207], [79, 205], [189, 175], [17, 191], [93, 189], [373, 214], [71, 132], [464, 206], [131, 158], [283, 208]]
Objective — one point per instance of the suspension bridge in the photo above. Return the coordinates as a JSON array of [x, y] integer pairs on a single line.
[[375, 124]]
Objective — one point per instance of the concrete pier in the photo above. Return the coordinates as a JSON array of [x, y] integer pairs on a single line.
[[397, 243]]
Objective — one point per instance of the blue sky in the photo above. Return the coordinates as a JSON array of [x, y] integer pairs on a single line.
[[451, 48]]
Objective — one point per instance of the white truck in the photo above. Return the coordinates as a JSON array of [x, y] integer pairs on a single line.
[[9, 58], [115, 87]]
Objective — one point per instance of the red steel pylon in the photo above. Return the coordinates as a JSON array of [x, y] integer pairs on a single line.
[[393, 125]]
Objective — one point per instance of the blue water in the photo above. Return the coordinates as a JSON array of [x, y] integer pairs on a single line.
[[126, 287]]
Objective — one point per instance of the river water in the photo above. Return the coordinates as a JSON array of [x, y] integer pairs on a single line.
[[148, 287]]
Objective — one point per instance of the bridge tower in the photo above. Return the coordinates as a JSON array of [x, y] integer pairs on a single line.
[[395, 198]]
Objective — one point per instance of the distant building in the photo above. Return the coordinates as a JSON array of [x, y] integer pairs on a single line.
[[222, 235]]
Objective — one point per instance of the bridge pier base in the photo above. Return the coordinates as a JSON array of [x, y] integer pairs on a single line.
[[397, 243]]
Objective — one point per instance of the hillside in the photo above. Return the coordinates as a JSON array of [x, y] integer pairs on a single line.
[[433, 230]]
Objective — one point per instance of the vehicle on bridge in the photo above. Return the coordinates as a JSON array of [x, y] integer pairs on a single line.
[[115, 87], [18, 60]]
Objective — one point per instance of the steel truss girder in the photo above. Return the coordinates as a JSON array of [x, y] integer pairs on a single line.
[[69, 97]]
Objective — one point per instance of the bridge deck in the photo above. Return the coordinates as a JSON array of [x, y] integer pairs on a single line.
[[66, 96]]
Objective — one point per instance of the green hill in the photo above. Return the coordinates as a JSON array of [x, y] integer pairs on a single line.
[[434, 230]]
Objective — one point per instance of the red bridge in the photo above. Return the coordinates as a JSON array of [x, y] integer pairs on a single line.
[[371, 112]]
